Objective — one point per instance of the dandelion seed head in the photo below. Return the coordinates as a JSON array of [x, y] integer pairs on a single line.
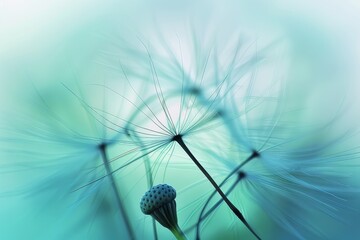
[[156, 197]]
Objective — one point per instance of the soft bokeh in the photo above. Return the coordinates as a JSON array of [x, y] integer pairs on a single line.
[[50, 48]]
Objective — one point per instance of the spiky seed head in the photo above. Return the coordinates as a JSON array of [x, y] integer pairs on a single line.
[[157, 197]]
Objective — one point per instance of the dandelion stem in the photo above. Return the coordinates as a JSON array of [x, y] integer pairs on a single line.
[[241, 175], [179, 140], [109, 172], [203, 216], [178, 233], [149, 176]]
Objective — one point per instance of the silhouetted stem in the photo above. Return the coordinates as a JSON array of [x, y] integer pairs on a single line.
[[179, 140], [241, 175], [109, 171], [217, 204]]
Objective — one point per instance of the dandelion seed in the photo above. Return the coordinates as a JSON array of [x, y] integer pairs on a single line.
[[172, 124], [70, 160], [211, 111]]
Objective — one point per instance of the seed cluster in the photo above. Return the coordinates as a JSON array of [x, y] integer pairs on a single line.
[[156, 197]]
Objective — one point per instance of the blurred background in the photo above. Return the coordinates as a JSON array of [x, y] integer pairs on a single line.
[[45, 45]]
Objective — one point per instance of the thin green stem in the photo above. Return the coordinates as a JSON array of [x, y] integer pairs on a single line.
[[179, 140], [178, 233], [109, 172]]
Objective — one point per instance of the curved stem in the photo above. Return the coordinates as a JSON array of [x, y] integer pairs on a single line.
[[241, 175], [217, 204], [109, 172], [203, 215], [179, 140]]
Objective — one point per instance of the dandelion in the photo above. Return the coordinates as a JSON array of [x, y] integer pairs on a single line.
[[70, 156], [214, 116], [190, 114], [271, 145]]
